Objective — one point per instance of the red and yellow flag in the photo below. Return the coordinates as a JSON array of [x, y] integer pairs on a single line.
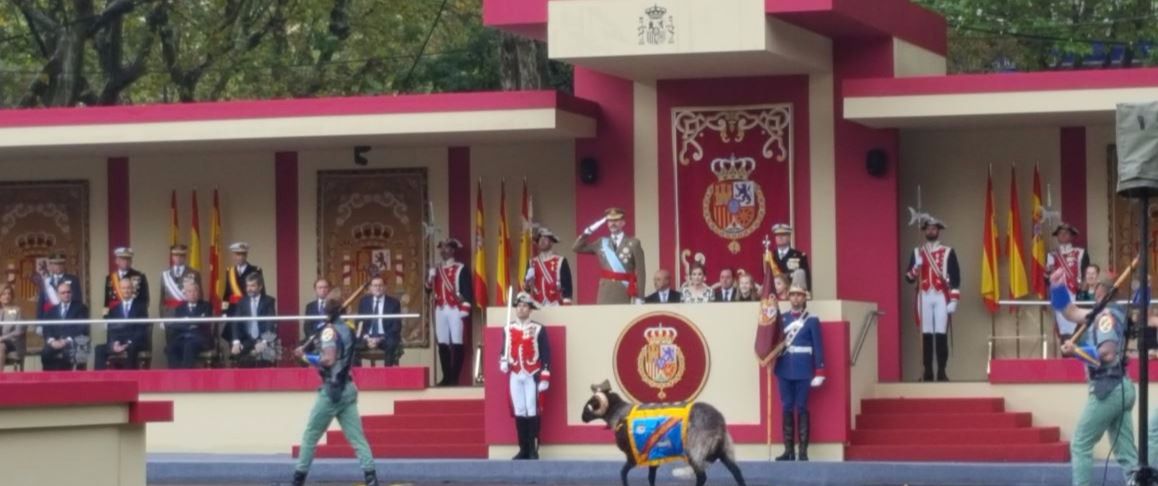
[[1018, 285], [503, 260], [216, 282], [1037, 251], [195, 237], [480, 260], [990, 281], [174, 230], [525, 245]]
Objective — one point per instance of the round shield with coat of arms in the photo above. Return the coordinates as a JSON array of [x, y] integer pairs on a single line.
[[734, 208], [661, 357]]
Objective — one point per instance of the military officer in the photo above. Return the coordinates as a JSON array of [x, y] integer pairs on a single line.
[[125, 271], [933, 267], [799, 368], [527, 360], [789, 260], [621, 258], [548, 277], [235, 277], [337, 397], [450, 287], [1110, 404], [173, 280], [47, 298], [1072, 260]]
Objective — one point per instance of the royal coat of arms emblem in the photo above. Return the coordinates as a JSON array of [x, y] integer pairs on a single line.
[[661, 361], [734, 204], [656, 26], [661, 357]]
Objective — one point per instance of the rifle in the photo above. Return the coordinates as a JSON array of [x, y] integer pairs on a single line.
[[374, 272], [1103, 302]]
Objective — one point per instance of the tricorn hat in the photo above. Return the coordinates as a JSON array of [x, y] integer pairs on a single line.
[[451, 243], [931, 221], [525, 298], [1067, 227], [544, 232]]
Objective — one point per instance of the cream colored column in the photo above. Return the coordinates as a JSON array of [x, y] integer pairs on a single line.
[[1098, 187], [822, 185], [647, 175]]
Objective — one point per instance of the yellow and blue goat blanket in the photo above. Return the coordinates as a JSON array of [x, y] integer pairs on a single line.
[[657, 433]]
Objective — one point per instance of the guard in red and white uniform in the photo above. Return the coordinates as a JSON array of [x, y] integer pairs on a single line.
[[527, 359], [548, 277], [1073, 261], [933, 267], [449, 286]]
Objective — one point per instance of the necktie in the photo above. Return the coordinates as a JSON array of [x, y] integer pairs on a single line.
[[728, 295], [128, 304], [64, 311], [378, 310], [253, 324], [192, 308]]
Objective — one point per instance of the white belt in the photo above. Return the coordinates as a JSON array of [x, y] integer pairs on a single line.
[[799, 349]]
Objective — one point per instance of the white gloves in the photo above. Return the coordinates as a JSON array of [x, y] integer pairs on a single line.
[[917, 260], [952, 307], [595, 226], [431, 273], [817, 381], [543, 385], [504, 366], [637, 301], [463, 314]]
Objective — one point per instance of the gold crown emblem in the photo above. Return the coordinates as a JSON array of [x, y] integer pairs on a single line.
[[656, 12], [660, 334], [371, 231], [733, 168], [35, 241]]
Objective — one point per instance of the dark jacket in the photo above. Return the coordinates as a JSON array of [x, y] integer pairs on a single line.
[[42, 302], [137, 333], [200, 309], [239, 331], [76, 310], [673, 297], [391, 328]]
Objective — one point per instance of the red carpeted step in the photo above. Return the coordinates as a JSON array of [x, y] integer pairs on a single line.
[[941, 437], [405, 451], [415, 436], [421, 407], [424, 421], [1054, 452], [944, 421], [931, 405]]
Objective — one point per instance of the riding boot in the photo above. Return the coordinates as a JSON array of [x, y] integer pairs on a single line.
[[804, 428], [370, 478], [457, 357], [789, 438], [300, 478], [444, 363], [521, 427], [533, 438], [927, 356], [942, 356]]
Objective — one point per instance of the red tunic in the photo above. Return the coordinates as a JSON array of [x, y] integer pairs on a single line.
[[546, 285], [523, 347]]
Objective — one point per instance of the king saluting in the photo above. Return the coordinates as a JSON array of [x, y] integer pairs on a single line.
[[620, 257]]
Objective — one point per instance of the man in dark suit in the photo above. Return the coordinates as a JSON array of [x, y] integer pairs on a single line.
[[726, 289], [790, 260], [65, 345], [663, 293], [46, 299], [126, 338], [236, 276], [125, 271], [384, 334], [188, 339], [316, 307], [249, 340]]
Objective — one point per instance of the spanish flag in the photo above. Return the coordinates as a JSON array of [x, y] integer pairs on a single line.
[[1018, 286], [990, 282], [216, 282], [195, 237], [1037, 251], [526, 248], [174, 229], [480, 260], [502, 265]]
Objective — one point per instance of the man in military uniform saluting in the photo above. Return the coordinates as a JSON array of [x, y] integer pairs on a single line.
[[235, 278], [337, 397], [933, 267], [621, 258], [548, 277], [1110, 403], [790, 261], [125, 271]]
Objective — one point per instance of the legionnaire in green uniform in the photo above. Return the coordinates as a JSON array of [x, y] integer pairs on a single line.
[[337, 397], [1109, 407]]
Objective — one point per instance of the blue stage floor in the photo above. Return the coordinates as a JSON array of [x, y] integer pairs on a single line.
[[246, 470]]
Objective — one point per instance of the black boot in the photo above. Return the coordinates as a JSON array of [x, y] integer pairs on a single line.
[[444, 363], [789, 438], [927, 356], [803, 426], [942, 356], [300, 478], [370, 478], [458, 353], [533, 438], [521, 427]]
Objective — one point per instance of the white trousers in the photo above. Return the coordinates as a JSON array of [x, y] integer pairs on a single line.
[[447, 325], [524, 394], [1065, 326], [934, 312]]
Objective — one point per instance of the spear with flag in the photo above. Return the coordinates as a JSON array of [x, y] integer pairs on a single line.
[[216, 283], [195, 237], [990, 281], [503, 259], [480, 260]]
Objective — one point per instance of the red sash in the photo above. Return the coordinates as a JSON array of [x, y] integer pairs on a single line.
[[632, 290]]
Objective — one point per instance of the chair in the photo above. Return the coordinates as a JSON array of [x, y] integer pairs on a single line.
[[211, 357], [144, 357], [372, 355]]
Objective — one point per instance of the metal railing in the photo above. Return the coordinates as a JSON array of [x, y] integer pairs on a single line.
[[1044, 306], [869, 319], [184, 320]]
